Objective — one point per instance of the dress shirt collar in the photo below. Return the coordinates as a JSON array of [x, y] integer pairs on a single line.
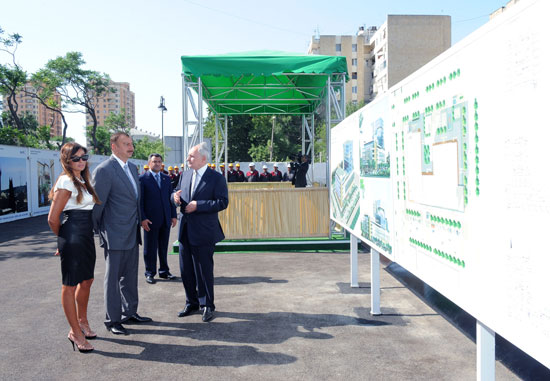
[[122, 164], [201, 170]]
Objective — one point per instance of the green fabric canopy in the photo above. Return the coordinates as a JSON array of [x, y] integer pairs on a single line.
[[263, 82]]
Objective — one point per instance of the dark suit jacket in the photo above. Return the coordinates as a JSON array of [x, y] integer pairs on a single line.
[[117, 219], [155, 203], [203, 226]]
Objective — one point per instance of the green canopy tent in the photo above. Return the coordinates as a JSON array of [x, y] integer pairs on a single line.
[[262, 83]]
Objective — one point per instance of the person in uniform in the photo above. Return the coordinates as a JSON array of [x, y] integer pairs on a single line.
[[239, 174], [252, 176], [176, 178], [265, 176], [289, 174], [276, 175], [231, 174]]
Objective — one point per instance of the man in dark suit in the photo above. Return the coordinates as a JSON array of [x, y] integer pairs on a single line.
[[301, 172], [158, 215], [202, 193], [117, 220]]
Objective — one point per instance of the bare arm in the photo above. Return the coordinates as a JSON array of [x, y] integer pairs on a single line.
[[60, 198]]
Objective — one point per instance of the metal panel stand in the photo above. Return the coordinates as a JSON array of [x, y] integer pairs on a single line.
[[353, 260], [485, 342], [374, 282]]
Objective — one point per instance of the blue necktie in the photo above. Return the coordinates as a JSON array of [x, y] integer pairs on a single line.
[[132, 181], [157, 177]]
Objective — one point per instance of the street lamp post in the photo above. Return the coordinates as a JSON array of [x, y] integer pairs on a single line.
[[272, 130], [162, 109]]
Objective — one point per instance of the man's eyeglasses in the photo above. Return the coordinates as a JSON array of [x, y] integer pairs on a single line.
[[76, 159]]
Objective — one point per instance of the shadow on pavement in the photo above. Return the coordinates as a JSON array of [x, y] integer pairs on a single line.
[[201, 355], [261, 328], [227, 281]]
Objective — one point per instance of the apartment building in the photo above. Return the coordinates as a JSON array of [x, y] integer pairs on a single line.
[[379, 57], [115, 101], [31, 105]]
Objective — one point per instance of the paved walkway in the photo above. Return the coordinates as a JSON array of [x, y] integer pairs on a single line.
[[279, 316]]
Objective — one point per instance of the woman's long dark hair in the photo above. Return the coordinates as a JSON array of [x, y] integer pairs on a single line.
[[67, 151]]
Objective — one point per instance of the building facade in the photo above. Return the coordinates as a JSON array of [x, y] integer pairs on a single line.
[[120, 99], [32, 106], [379, 57]]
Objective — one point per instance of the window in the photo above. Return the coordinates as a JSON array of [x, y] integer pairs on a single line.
[[354, 61], [338, 47], [353, 47], [354, 89], [354, 75]]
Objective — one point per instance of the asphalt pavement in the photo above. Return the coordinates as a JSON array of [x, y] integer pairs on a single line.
[[279, 316]]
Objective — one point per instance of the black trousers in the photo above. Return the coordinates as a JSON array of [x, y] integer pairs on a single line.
[[156, 240], [197, 271]]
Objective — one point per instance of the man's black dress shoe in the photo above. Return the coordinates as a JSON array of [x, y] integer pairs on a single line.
[[117, 329], [188, 310], [138, 319], [149, 279], [207, 314], [167, 276]]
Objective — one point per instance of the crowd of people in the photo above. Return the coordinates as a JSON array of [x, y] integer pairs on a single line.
[[295, 173]]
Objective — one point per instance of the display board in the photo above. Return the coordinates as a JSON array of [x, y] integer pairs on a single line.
[[14, 183], [470, 189], [45, 169], [361, 189], [26, 177]]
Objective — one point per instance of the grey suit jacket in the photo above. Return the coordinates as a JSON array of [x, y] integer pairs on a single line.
[[117, 219]]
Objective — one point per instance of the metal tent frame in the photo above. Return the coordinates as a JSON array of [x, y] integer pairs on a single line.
[[332, 99]]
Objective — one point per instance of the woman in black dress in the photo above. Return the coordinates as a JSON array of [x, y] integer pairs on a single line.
[[70, 218]]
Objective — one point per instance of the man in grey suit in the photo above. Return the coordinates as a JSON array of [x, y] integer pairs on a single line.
[[117, 220]]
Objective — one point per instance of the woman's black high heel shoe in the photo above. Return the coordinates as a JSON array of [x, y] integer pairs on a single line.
[[81, 350]]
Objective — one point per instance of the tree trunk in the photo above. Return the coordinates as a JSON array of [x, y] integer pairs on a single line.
[[65, 125], [94, 128], [13, 110]]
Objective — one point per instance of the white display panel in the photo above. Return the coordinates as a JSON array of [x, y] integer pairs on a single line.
[[361, 190], [470, 184], [45, 169], [14, 183]]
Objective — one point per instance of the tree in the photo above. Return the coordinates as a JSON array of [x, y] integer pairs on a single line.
[[12, 76], [353, 106], [45, 84], [144, 147], [80, 87], [118, 122]]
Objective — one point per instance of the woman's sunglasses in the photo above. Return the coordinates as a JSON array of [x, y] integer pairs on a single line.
[[76, 159]]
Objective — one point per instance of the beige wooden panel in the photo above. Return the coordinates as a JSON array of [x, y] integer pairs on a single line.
[[276, 213]]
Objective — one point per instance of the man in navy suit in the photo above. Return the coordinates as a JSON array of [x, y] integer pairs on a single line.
[[158, 215], [201, 193]]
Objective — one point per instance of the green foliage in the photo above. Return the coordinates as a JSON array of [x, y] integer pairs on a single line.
[[250, 137], [118, 122], [352, 106], [79, 86], [12, 76], [103, 136], [9, 136], [144, 147]]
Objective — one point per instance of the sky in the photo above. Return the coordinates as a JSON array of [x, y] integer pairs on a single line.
[[141, 42]]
